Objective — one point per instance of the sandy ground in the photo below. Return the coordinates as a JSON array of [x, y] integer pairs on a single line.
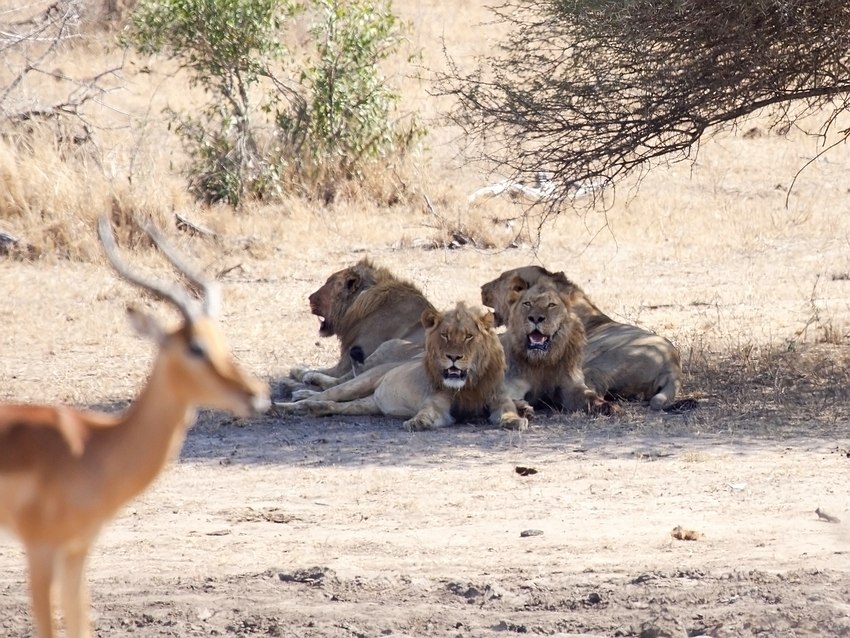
[[287, 526], [356, 528]]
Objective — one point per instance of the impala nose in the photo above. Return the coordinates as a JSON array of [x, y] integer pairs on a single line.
[[260, 403]]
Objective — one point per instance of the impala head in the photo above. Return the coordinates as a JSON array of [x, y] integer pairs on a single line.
[[195, 357]]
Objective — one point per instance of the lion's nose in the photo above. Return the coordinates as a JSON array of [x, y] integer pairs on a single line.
[[535, 319], [454, 358]]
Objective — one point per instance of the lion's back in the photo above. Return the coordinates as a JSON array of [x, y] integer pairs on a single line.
[[630, 362], [389, 310]]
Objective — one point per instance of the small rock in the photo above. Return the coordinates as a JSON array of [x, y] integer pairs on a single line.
[[682, 534], [531, 532]]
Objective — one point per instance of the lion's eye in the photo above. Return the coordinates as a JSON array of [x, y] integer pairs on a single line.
[[552, 305], [444, 336], [526, 304], [468, 338]]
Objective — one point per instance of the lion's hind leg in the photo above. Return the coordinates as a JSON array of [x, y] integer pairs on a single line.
[[324, 381], [355, 388], [669, 389]]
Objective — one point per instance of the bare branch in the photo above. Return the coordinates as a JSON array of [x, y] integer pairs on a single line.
[[594, 90], [31, 43]]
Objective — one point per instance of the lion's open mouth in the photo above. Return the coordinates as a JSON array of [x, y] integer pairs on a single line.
[[326, 328], [454, 377], [536, 340]]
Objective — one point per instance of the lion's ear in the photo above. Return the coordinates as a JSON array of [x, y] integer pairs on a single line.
[[430, 318], [352, 281], [517, 284], [568, 296], [516, 287], [561, 281], [487, 320]]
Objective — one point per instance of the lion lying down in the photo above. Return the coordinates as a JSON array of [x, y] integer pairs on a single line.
[[544, 344], [460, 375], [363, 305], [620, 361]]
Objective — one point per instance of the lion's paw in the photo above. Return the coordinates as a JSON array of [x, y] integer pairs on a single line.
[[524, 408], [418, 424], [324, 381], [513, 422], [285, 407], [303, 393], [298, 372], [600, 407]]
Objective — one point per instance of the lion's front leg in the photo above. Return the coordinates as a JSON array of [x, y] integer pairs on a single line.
[[524, 408], [580, 397], [503, 413], [577, 395], [309, 407], [436, 413], [517, 388]]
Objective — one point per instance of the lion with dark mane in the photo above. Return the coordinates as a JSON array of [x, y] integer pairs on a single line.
[[544, 344], [460, 375], [363, 306], [620, 361]]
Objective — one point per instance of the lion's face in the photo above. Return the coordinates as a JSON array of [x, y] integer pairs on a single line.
[[537, 317], [497, 294], [461, 347], [331, 301]]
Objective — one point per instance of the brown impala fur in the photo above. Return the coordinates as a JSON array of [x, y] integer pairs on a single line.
[[65, 472], [544, 343], [364, 306], [621, 361], [460, 375]]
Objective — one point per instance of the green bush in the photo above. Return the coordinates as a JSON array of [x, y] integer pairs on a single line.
[[329, 120], [345, 119]]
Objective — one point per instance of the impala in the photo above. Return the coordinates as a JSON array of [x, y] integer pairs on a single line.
[[65, 472]]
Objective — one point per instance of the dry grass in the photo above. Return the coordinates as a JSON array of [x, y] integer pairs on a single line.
[[752, 288]]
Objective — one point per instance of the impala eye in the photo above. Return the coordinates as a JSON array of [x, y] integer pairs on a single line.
[[196, 349]]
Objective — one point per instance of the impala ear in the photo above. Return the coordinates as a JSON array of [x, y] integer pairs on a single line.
[[145, 325]]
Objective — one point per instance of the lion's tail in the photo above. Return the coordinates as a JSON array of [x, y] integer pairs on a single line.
[[669, 388]]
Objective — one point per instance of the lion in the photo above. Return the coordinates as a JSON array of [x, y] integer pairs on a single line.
[[460, 375], [393, 351], [621, 361], [544, 344], [363, 305]]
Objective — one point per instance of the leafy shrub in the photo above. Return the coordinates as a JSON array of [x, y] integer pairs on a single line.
[[344, 121], [327, 122]]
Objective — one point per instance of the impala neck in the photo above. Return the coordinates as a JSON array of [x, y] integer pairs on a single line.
[[150, 432]]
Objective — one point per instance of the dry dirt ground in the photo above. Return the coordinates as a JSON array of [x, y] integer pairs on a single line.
[[299, 527]]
